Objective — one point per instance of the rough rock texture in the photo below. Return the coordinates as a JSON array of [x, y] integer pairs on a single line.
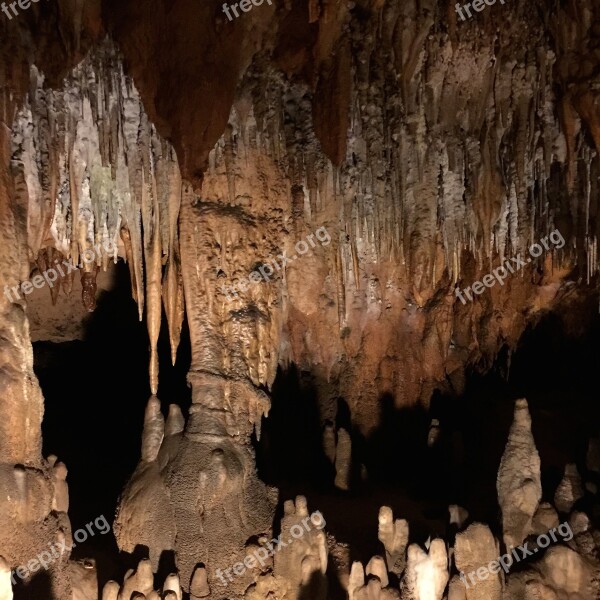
[[303, 562], [545, 519], [199, 587], [84, 579], [425, 182], [68, 318], [27, 521], [569, 490], [343, 460], [428, 150], [562, 573], [519, 481], [426, 574], [393, 534], [474, 548], [201, 478]]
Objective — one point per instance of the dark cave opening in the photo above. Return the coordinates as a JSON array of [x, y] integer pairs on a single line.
[[93, 422]]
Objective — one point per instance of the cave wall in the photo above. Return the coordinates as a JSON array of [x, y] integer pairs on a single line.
[[428, 148]]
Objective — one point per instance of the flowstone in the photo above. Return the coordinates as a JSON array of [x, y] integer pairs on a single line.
[[200, 495]]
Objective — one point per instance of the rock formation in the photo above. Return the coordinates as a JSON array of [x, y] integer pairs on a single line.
[[323, 184], [343, 460], [519, 484], [426, 574], [302, 563], [393, 534], [569, 490], [84, 579], [474, 549]]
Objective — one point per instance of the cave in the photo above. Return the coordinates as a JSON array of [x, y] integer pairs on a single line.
[[299, 300]]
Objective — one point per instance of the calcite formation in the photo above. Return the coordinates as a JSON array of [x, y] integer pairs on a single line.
[[100, 183], [343, 460], [569, 490], [416, 153], [426, 574], [475, 548], [303, 562], [519, 480], [393, 534], [201, 477], [475, 568]]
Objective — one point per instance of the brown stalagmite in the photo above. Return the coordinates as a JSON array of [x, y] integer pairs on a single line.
[[519, 479]]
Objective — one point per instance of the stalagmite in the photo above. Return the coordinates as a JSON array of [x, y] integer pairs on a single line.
[[561, 573], [329, 442], [569, 490], [374, 589], [476, 548], [343, 460], [199, 587], [6, 592], [110, 591], [376, 566], [141, 580], [583, 535], [357, 580], [305, 558], [175, 422], [457, 516], [429, 149], [60, 501], [84, 579], [154, 430], [393, 534], [172, 584], [434, 433], [545, 519], [426, 574], [519, 484]]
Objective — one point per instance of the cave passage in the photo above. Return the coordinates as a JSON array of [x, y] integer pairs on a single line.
[[93, 422]]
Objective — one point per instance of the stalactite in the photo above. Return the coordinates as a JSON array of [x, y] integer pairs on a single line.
[[172, 281], [91, 168]]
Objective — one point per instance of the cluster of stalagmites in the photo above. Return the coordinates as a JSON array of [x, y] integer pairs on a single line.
[[567, 568]]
